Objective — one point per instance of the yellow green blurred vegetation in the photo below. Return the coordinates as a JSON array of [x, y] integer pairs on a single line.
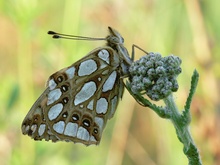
[[189, 29]]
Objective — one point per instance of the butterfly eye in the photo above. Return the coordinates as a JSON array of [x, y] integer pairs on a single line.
[[86, 123], [75, 117]]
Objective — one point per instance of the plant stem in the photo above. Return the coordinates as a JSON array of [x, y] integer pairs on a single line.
[[175, 117], [182, 130]]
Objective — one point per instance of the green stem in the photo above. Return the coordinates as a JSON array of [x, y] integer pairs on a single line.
[[183, 133], [180, 121], [175, 117]]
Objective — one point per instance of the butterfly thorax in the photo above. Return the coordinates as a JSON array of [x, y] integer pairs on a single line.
[[116, 41]]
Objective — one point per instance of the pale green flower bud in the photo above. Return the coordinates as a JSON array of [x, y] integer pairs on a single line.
[[155, 75]]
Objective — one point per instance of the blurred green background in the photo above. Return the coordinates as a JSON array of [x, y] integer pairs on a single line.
[[136, 135]]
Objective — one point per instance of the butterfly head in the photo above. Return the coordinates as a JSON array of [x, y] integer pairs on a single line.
[[114, 37]]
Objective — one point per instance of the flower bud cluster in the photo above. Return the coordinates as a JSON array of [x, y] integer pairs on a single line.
[[155, 75]]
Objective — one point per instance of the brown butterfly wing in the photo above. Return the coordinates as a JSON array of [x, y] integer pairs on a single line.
[[78, 100]]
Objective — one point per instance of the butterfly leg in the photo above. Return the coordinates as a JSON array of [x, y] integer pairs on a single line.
[[132, 52]]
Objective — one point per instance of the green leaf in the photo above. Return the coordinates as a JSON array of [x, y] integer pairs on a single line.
[[194, 82]]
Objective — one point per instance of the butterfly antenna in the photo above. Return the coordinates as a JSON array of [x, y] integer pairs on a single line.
[[72, 37]]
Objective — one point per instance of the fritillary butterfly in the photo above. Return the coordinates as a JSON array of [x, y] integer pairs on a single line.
[[79, 99]]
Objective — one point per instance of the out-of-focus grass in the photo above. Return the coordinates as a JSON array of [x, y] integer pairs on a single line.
[[189, 29]]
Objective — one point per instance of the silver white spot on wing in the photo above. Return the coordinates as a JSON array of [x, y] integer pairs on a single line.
[[104, 55], [33, 128], [51, 84], [71, 129], [83, 134], [99, 121], [64, 115], [109, 83], [87, 67], [85, 93], [55, 111], [92, 139], [101, 106], [90, 105], [59, 127], [102, 65], [41, 129], [70, 72], [27, 128], [53, 96]]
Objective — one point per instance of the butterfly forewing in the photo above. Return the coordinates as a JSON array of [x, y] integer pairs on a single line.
[[80, 99]]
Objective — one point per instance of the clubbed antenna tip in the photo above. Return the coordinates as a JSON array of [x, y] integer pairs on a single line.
[[51, 32], [56, 36]]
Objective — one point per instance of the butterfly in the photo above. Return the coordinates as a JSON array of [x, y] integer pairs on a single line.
[[80, 99]]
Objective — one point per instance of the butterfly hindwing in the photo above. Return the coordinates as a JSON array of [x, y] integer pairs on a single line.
[[78, 100]]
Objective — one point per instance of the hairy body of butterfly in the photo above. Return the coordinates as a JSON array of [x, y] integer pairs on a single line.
[[79, 99]]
